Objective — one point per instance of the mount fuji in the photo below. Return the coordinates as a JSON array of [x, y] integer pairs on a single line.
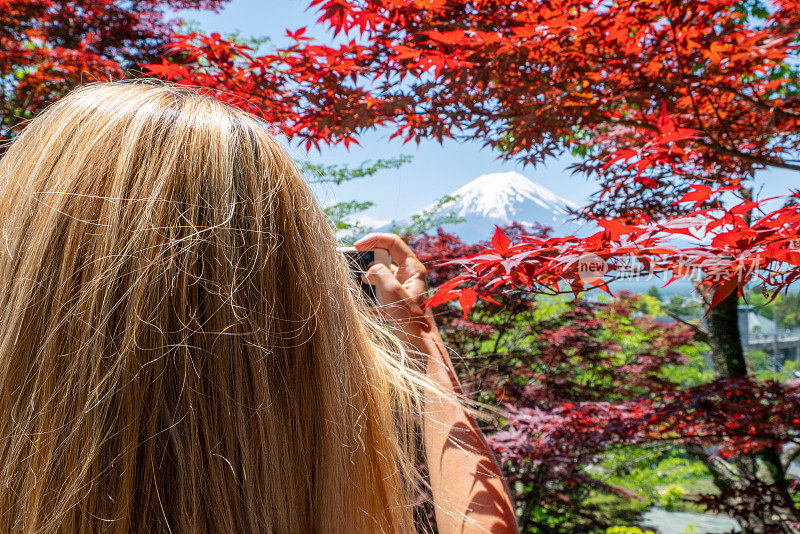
[[503, 198]]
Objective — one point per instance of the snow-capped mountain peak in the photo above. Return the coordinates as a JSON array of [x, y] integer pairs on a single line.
[[504, 196]]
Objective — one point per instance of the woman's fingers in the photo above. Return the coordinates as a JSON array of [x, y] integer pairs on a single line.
[[398, 249], [407, 263], [390, 292]]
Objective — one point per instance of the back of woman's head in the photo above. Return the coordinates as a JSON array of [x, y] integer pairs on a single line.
[[181, 346]]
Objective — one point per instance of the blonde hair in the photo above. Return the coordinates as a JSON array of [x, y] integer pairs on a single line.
[[182, 348]]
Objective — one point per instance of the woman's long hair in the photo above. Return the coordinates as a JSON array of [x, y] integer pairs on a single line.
[[182, 348]]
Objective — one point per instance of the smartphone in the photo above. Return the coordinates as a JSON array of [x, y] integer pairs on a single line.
[[361, 260]]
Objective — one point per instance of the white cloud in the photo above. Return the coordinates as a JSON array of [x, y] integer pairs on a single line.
[[368, 221]]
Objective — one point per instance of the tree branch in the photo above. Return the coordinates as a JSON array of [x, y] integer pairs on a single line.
[[716, 147], [760, 160], [700, 333]]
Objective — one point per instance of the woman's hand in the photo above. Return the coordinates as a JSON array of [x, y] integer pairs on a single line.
[[400, 288], [469, 493]]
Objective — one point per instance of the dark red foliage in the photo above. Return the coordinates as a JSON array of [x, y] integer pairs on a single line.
[[725, 418], [735, 416], [575, 362]]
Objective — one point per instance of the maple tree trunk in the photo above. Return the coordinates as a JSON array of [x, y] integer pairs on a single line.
[[728, 357], [532, 499], [724, 338]]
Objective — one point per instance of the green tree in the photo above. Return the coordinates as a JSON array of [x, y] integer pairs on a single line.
[[343, 215]]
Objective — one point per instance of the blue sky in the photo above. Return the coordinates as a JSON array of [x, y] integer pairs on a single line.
[[437, 169]]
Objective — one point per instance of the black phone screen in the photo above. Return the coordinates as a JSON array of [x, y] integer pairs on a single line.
[[359, 262]]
